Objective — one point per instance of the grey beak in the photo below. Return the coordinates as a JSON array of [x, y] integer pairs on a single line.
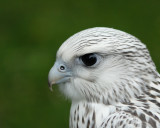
[[56, 77]]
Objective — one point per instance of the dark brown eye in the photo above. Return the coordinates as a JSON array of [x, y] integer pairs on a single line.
[[89, 59]]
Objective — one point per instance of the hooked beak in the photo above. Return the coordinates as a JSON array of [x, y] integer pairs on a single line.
[[55, 76]]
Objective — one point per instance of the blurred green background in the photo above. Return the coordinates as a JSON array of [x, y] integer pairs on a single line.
[[30, 34]]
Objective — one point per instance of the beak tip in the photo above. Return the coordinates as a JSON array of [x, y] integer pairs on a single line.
[[50, 86]]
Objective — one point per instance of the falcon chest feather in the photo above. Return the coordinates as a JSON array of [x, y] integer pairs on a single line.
[[89, 115]]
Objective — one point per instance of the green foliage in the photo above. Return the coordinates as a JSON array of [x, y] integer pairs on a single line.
[[30, 34]]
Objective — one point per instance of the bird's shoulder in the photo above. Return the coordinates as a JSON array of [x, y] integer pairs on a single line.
[[121, 119], [135, 114], [97, 115]]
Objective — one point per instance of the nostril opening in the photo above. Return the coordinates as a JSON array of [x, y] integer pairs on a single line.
[[62, 67]]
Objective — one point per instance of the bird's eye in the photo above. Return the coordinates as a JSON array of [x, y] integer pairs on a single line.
[[89, 59]]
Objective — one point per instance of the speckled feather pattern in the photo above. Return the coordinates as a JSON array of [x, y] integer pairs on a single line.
[[123, 91]]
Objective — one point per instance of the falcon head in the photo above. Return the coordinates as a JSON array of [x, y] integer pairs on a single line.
[[102, 65]]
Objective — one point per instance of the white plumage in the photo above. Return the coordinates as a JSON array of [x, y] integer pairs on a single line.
[[110, 78]]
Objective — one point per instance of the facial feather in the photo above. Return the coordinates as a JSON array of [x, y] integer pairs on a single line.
[[123, 65]]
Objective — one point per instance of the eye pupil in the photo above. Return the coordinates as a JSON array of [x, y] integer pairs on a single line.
[[89, 59]]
